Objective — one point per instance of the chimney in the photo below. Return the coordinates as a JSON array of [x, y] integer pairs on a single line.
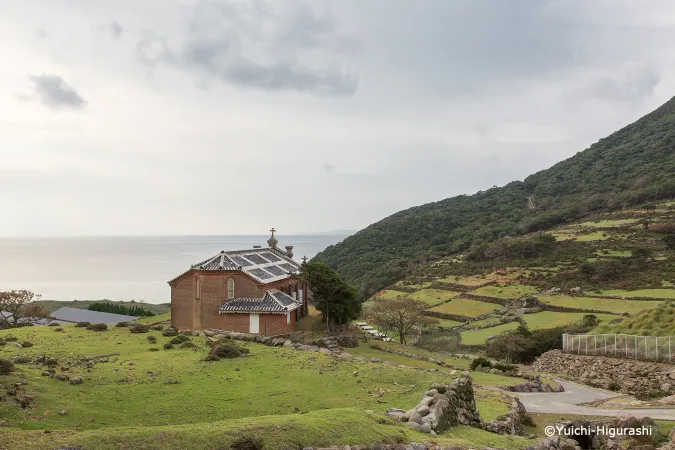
[[289, 251]]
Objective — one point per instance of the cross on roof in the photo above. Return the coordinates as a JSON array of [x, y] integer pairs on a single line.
[[304, 259]]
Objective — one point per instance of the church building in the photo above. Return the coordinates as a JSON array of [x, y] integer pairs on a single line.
[[249, 291]]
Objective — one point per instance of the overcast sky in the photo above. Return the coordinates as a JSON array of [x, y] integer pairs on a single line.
[[229, 117]]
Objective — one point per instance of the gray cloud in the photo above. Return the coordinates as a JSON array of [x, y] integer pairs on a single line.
[[115, 29], [55, 93], [255, 45], [632, 85]]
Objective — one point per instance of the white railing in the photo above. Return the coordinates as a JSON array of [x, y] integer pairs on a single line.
[[649, 348]]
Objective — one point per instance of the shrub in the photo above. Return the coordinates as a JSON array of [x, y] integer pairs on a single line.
[[6, 366], [152, 339], [97, 327], [139, 328], [53, 324], [211, 357], [26, 344], [153, 349], [82, 324], [10, 338], [179, 339], [2, 343], [59, 329], [614, 386], [247, 443], [170, 331], [228, 350], [188, 345], [157, 327], [122, 324], [480, 361], [505, 367], [22, 359], [168, 346]]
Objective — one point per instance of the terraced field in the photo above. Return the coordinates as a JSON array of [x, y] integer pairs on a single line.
[[433, 296], [509, 292], [478, 337], [650, 293], [601, 304], [467, 281], [465, 307], [550, 319], [391, 294]]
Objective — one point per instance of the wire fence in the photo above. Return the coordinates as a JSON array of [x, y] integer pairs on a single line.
[[648, 348]]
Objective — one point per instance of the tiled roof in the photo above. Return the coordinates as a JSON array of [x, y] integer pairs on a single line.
[[265, 265], [274, 302]]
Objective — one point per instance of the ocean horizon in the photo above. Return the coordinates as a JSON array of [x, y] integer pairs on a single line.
[[123, 267]]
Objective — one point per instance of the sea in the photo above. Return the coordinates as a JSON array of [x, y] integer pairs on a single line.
[[122, 268]]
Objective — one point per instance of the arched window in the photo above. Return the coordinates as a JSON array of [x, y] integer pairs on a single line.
[[230, 288]]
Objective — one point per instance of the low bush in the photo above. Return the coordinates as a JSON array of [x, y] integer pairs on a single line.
[[229, 350], [179, 339], [97, 327], [188, 345], [157, 327], [10, 338], [59, 329], [505, 367], [480, 361], [122, 324], [2, 343], [247, 443], [139, 328], [26, 344], [153, 349], [211, 357], [82, 324], [170, 331], [6, 366], [53, 324], [22, 359], [614, 386], [152, 339], [168, 346]]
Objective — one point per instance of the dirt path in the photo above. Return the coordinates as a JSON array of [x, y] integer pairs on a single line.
[[570, 402]]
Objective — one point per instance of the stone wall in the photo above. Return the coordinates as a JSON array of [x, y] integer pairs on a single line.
[[442, 407], [639, 378]]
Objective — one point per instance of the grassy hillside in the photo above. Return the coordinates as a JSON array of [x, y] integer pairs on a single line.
[[53, 305], [146, 399], [613, 265], [632, 166]]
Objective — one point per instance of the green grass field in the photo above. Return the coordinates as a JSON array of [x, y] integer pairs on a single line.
[[423, 285], [659, 321], [595, 236], [490, 321], [610, 223], [650, 293], [126, 394], [444, 323], [479, 337], [510, 291], [465, 307], [391, 294], [550, 319], [601, 304], [434, 296], [471, 281], [617, 253]]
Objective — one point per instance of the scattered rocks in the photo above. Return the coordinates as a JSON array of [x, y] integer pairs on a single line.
[[63, 412], [76, 380], [170, 331], [535, 385], [62, 377]]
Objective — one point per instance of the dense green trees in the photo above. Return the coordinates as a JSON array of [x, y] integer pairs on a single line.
[[633, 166], [331, 295], [120, 309]]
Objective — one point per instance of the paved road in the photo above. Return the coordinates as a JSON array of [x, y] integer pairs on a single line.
[[569, 402]]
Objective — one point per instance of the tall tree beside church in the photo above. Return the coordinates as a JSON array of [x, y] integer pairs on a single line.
[[333, 297]]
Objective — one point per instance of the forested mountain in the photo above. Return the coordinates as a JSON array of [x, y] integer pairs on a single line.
[[633, 166]]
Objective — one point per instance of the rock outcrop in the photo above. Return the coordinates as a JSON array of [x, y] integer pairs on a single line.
[[640, 378]]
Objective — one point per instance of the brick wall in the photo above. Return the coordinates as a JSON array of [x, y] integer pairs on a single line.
[[196, 297]]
